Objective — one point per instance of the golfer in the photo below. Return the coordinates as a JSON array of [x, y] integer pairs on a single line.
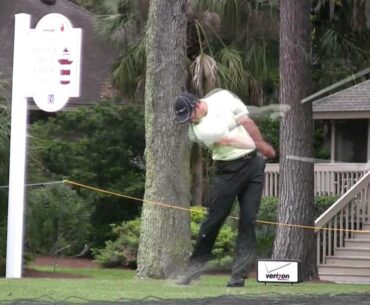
[[220, 121]]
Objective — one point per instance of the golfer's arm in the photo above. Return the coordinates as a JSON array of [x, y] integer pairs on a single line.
[[253, 131], [236, 141]]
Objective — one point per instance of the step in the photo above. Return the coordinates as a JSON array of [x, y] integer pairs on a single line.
[[366, 226], [362, 252], [357, 243], [348, 261], [338, 269], [361, 235], [342, 278]]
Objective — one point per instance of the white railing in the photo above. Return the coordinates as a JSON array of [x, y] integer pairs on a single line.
[[330, 178], [347, 214]]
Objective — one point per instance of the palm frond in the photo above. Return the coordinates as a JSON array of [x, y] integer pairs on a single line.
[[256, 58], [232, 16], [111, 6], [121, 22], [255, 91], [234, 76], [203, 73], [129, 68], [211, 5], [333, 44], [232, 61]]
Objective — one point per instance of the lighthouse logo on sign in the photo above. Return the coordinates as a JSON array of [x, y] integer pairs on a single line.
[[65, 68]]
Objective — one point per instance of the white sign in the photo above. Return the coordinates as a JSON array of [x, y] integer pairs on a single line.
[[284, 271], [46, 66], [54, 71]]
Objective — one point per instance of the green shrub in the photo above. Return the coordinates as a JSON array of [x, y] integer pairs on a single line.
[[57, 220], [2, 247], [322, 203], [123, 250], [223, 250], [268, 209], [265, 233], [265, 236], [100, 146]]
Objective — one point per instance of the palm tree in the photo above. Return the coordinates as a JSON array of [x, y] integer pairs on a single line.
[[123, 24], [340, 39], [226, 45], [231, 44]]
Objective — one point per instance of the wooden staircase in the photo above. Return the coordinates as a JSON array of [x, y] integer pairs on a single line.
[[351, 263], [343, 237]]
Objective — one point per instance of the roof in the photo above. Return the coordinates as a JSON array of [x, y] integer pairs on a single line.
[[96, 56], [352, 102]]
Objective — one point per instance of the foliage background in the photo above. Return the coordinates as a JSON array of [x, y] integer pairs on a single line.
[[58, 221], [101, 146], [121, 250]]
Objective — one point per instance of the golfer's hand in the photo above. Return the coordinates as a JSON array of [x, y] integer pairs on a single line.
[[267, 150]]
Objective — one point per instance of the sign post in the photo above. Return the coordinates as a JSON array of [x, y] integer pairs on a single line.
[[17, 151], [46, 66]]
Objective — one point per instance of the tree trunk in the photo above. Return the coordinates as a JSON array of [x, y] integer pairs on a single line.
[[296, 202], [165, 232]]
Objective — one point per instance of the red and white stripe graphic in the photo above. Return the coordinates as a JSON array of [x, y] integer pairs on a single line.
[[65, 69]]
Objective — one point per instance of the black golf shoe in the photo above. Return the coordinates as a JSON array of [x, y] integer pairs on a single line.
[[236, 281]]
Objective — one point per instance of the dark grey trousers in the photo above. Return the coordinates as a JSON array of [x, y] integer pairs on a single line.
[[243, 179]]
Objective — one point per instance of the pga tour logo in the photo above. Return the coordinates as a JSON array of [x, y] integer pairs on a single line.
[[277, 271]]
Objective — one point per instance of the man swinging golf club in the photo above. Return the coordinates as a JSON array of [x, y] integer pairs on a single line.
[[220, 121]]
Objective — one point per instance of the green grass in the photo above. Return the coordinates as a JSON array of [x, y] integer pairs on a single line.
[[115, 284]]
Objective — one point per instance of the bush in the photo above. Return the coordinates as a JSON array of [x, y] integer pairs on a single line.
[[223, 251], [265, 236], [100, 146], [57, 219], [268, 209], [322, 203], [123, 250], [2, 247], [265, 233]]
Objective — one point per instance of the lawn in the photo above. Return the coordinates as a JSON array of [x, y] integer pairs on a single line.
[[117, 284]]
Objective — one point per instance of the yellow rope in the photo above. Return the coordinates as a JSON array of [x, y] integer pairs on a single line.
[[189, 210]]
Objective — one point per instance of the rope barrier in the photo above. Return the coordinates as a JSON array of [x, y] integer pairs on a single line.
[[35, 184], [189, 210], [99, 190]]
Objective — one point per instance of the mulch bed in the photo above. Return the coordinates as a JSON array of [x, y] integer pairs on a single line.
[[67, 262], [64, 262]]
